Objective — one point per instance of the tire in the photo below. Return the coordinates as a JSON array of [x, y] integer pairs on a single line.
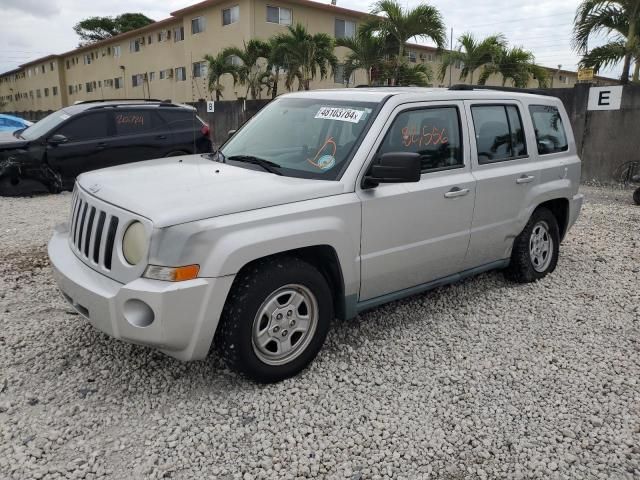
[[636, 196], [529, 262], [255, 342], [175, 154]]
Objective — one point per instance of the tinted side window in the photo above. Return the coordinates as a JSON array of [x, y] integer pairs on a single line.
[[550, 134], [86, 127], [499, 133], [434, 133], [133, 122], [179, 119]]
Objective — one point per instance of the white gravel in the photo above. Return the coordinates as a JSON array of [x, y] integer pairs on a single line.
[[485, 379]]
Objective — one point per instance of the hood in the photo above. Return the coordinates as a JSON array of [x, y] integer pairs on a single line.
[[8, 141], [176, 190]]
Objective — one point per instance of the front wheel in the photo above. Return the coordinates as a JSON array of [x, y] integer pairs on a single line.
[[275, 320], [636, 196], [535, 250]]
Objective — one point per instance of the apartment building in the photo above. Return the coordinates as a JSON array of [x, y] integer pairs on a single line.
[[165, 59]]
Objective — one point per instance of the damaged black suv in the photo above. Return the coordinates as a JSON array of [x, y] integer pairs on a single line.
[[49, 155]]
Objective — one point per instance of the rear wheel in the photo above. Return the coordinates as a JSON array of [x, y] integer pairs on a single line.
[[275, 320], [176, 154], [535, 250], [636, 196]]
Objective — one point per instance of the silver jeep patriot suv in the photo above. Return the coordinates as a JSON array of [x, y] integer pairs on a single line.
[[325, 204]]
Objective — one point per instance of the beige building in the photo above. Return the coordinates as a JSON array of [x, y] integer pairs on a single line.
[[164, 60]]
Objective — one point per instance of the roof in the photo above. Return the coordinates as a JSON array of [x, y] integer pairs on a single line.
[[81, 107], [309, 3]]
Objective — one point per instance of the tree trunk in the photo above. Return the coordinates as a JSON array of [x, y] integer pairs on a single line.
[[398, 60], [276, 77], [369, 76], [636, 70], [630, 47]]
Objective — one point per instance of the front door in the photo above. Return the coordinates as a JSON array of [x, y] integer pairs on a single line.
[[87, 146], [506, 173], [414, 233]]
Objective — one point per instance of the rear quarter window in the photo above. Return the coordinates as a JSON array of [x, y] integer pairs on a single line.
[[549, 130]]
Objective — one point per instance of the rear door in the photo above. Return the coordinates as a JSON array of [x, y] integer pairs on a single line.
[[140, 134], [89, 136], [506, 173]]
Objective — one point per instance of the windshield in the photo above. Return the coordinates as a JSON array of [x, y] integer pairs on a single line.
[[45, 125], [304, 137]]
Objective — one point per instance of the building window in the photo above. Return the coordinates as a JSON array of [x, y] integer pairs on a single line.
[[235, 60], [87, 59], [43, 68], [152, 76], [117, 51], [134, 45], [88, 87], [136, 80], [279, 15], [149, 39], [38, 93], [46, 92], [117, 83], [54, 91], [197, 25], [230, 15], [68, 65], [199, 69], [412, 57], [162, 36], [181, 74], [345, 28], [52, 66], [178, 34], [338, 74]]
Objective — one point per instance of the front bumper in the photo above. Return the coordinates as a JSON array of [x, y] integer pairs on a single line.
[[184, 315]]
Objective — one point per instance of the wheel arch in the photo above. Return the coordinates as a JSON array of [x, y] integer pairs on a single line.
[[325, 258], [559, 207]]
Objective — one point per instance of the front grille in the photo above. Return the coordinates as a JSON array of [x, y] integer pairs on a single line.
[[88, 237]]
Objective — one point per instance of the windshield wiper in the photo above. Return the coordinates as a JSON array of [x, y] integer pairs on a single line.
[[267, 165]]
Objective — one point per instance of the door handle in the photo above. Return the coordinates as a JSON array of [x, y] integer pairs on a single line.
[[161, 137], [101, 146], [525, 179], [456, 192]]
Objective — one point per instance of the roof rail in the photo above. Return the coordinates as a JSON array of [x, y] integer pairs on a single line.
[[464, 86], [80, 102]]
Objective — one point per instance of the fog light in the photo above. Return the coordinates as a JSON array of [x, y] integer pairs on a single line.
[[138, 313]]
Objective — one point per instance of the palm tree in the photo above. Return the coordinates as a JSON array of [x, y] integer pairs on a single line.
[[473, 54], [401, 25], [251, 71], [304, 55], [618, 17], [218, 66], [366, 53], [517, 65]]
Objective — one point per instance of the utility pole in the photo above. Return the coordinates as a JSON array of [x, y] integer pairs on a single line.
[[450, 52]]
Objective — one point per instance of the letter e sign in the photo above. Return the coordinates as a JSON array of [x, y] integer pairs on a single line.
[[605, 98]]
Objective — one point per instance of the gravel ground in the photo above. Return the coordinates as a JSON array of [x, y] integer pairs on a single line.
[[484, 379]]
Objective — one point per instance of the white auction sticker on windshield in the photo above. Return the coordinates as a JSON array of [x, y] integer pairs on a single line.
[[339, 113]]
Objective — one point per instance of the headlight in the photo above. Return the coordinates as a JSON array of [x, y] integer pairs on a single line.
[[134, 243]]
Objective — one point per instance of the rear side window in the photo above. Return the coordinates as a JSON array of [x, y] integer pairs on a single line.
[[434, 133], [86, 127], [133, 122], [550, 134], [179, 119], [499, 133]]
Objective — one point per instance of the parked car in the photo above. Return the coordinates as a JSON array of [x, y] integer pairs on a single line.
[[10, 123], [50, 154], [326, 203]]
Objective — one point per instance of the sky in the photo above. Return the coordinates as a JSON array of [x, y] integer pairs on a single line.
[[35, 28]]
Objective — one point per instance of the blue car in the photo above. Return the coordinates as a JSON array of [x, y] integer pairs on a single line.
[[9, 123]]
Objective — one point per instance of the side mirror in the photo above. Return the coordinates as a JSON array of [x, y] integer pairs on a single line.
[[231, 133], [57, 139], [394, 167]]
